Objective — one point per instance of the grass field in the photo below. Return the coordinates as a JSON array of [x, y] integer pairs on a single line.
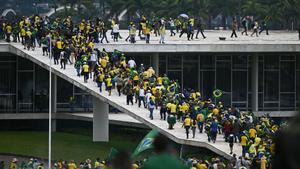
[[65, 146]]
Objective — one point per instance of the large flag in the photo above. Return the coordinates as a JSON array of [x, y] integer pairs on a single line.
[[146, 143], [113, 152]]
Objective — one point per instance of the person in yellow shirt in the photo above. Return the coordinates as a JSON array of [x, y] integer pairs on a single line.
[[97, 164], [85, 72], [109, 84], [173, 108], [263, 162], [201, 165], [72, 165], [187, 124], [252, 134], [244, 143], [8, 31]]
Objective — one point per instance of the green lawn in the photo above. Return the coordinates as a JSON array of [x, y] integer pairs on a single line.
[[64, 145]]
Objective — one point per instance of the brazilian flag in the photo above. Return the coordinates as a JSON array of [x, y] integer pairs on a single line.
[[146, 143]]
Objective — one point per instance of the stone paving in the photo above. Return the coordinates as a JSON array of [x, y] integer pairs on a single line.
[[140, 114]]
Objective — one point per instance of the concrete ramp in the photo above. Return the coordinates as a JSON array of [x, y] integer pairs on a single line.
[[119, 102]]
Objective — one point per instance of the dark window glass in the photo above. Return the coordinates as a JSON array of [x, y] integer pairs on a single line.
[[224, 58], [78, 90], [249, 101], [41, 79], [287, 58], [239, 62], [287, 77], [190, 72], [249, 78], [271, 62], [25, 64], [271, 107], [175, 75], [143, 59], [239, 85], [271, 86], [25, 87], [240, 106], [162, 65], [7, 77], [298, 85], [8, 103], [260, 102], [64, 90], [225, 99], [7, 57], [224, 76], [298, 62], [207, 62], [287, 101], [207, 83], [174, 62], [260, 76]]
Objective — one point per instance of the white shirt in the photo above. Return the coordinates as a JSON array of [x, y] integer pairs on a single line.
[[116, 28], [131, 63], [142, 92], [93, 57], [148, 95]]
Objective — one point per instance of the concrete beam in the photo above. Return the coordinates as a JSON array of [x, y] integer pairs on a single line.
[[155, 62], [254, 83], [100, 120]]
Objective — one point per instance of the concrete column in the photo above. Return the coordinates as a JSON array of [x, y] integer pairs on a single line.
[[54, 101], [254, 83], [155, 62], [100, 120]]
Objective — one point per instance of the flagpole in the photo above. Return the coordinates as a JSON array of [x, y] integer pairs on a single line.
[[50, 106]]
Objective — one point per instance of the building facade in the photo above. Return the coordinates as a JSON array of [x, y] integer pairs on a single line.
[[24, 85]]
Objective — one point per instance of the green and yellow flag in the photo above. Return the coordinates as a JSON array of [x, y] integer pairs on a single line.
[[146, 143]]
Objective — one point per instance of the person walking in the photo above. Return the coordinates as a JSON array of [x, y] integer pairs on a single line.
[[244, 143], [85, 72], [104, 36], [200, 28], [63, 59], [234, 28], [187, 124], [172, 27], [151, 105], [255, 29], [214, 130], [109, 84], [231, 142], [193, 127], [245, 26], [264, 25], [162, 32], [116, 32], [142, 96]]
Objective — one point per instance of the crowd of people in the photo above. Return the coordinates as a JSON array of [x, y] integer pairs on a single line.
[[74, 44], [96, 29]]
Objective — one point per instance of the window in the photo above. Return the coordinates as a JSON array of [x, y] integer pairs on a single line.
[[224, 76], [174, 62], [287, 101], [207, 62], [239, 85], [190, 72], [25, 64], [271, 87], [239, 62], [271, 62], [207, 84], [287, 77]]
